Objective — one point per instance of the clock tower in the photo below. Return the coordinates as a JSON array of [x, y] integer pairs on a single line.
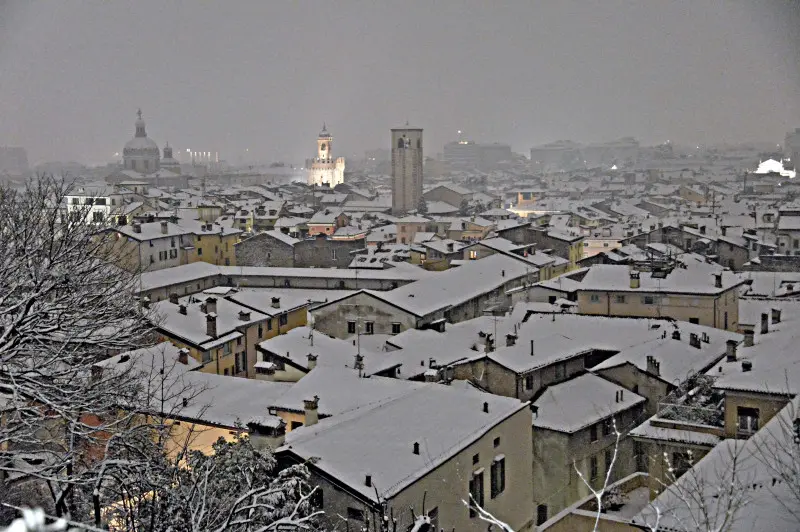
[[324, 169]]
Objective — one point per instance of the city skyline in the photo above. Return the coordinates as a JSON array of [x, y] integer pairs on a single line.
[[519, 74]]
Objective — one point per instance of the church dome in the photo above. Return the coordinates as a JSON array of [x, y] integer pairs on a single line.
[[140, 144]]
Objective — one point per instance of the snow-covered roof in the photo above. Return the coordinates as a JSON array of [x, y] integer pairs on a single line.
[[664, 432], [690, 280], [379, 441], [582, 401]]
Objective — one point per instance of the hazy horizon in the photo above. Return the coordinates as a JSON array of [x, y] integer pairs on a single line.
[[263, 76]]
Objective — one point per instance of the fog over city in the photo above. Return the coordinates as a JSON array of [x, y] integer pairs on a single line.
[[254, 80]]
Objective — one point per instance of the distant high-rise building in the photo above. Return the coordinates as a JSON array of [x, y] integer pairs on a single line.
[[406, 169], [324, 169], [13, 160], [141, 153], [791, 147]]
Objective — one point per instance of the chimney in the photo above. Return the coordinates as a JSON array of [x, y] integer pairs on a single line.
[[310, 406], [694, 340], [502, 273], [263, 437], [747, 365], [211, 305], [276, 302], [486, 407], [676, 334], [416, 448], [635, 282], [211, 325], [749, 336], [164, 228], [368, 481], [173, 298], [764, 323], [244, 316], [532, 348], [717, 280], [776, 315], [450, 247], [312, 361], [511, 339], [137, 227], [730, 350], [653, 366], [182, 309], [183, 356]]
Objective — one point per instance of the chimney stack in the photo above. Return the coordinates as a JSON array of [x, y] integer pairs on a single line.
[[635, 281], [486, 407], [182, 309], [747, 365], [511, 339], [173, 298], [211, 305], [531, 347], [776, 315], [137, 227], [694, 340], [730, 350], [276, 302], [653, 366], [244, 316], [264, 437], [310, 407], [676, 334], [416, 448], [312, 361], [749, 336], [764, 323], [450, 247], [717, 280], [183, 356], [211, 325], [164, 228], [368, 481]]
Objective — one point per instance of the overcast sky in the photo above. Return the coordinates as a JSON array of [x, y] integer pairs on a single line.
[[264, 75]]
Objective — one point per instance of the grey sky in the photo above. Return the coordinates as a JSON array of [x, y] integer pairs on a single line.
[[264, 75]]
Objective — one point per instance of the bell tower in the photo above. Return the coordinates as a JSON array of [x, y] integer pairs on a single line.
[[324, 145]]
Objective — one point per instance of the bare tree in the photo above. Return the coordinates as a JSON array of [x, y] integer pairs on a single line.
[[64, 307]]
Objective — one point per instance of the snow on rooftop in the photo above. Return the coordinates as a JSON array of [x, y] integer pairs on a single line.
[[379, 441], [579, 402], [690, 280]]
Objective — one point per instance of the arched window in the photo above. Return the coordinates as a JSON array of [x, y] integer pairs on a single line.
[[401, 143], [322, 146]]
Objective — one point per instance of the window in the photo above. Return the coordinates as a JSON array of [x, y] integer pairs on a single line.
[[747, 419], [561, 370], [283, 319], [369, 327], [226, 371], [172, 242], [541, 514], [351, 327], [239, 341], [529, 382], [260, 331], [152, 260], [476, 492], [296, 425], [173, 253], [496, 442], [355, 514], [593, 433], [621, 300], [648, 300], [97, 217], [609, 458], [227, 348], [593, 468], [641, 458], [476, 458], [498, 476], [199, 251], [206, 356], [395, 328], [269, 324], [796, 243], [318, 498], [681, 463], [594, 298], [473, 254], [696, 321]]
